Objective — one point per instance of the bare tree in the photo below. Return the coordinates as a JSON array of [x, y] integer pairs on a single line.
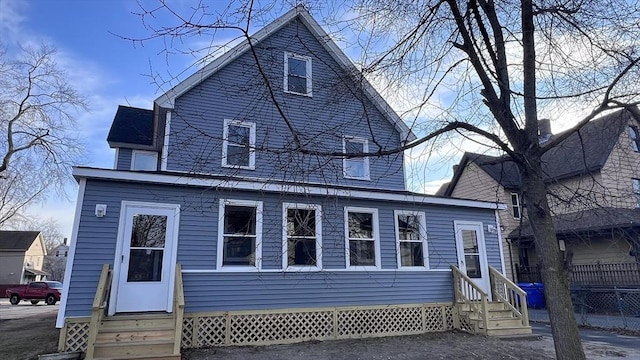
[[37, 128], [493, 64]]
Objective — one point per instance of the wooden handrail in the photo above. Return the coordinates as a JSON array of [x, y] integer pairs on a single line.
[[466, 291], [178, 309], [97, 309], [510, 294]]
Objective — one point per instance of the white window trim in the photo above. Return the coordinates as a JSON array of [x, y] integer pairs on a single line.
[[636, 194], [133, 159], [423, 239], [511, 206], [365, 149], [252, 143], [376, 238], [115, 160], [309, 76], [220, 247], [164, 158], [285, 253]]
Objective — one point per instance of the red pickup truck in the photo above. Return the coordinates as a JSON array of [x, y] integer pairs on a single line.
[[49, 291]]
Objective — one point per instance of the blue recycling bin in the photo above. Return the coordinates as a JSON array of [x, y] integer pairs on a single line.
[[535, 294]]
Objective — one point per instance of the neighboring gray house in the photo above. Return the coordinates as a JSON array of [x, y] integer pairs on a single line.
[[22, 255], [274, 245]]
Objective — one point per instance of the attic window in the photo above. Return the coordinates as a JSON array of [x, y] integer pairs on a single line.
[[238, 148], [297, 74], [636, 191], [635, 141], [144, 160], [356, 167], [515, 206]]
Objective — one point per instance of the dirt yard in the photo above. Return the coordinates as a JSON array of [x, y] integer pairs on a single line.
[[26, 338], [23, 338], [451, 345]]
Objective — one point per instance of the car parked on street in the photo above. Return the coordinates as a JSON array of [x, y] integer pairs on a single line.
[[49, 291]]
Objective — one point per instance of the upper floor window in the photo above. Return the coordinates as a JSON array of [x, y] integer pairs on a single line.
[[515, 206], [297, 74], [302, 236], [635, 138], [144, 160], [356, 167], [238, 146], [411, 239], [636, 191], [362, 238], [240, 233]]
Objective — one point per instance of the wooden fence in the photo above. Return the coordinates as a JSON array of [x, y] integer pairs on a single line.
[[591, 274]]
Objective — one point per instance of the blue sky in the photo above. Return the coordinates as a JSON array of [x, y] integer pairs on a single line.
[[107, 69]]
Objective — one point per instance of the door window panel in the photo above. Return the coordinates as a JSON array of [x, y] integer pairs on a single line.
[[148, 238]]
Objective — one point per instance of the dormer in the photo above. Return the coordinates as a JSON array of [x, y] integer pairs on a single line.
[[136, 136]]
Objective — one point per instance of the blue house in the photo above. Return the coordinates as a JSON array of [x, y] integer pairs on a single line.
[[214, 228]]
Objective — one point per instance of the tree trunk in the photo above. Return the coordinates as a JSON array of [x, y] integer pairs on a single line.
[[554, 273]]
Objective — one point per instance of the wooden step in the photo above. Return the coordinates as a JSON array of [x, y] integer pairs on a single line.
[[116, 324], [106, 337], [131, 349], [142, 357], [515, 330], [492, 306]]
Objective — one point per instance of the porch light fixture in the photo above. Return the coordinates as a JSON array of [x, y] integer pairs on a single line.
[[101, 210]]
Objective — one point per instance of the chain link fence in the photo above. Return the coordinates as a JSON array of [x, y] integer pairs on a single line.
[[611, 308]]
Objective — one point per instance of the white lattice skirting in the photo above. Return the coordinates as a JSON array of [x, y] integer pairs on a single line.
[[262, 327]]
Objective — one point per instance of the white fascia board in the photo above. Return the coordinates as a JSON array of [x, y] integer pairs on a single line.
[[236, 184]]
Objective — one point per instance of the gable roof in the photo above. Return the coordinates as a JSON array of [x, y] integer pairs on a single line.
[[17, 240], [586, 221], [131, 126], [167, 100], [585, 151]]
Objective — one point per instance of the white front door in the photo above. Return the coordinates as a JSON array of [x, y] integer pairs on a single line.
[[472, 253], [144, 266]]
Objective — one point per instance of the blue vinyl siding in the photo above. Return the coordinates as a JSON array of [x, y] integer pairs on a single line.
[[237, 91], [197, 248], [124, 159]]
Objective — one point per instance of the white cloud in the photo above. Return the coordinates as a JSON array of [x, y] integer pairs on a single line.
[[11, 18]]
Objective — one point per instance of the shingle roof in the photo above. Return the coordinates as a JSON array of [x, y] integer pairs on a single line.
[[132, 126], [17, 240], [584, 151], [592, 220]]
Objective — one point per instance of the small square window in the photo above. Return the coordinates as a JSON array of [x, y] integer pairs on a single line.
[[297, 74], [635, 139], [144, 160], [355, 167], [238, 148]]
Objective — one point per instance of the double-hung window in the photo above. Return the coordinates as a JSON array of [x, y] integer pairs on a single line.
[[302, 236], [297, 74], [144, 160], [355, 167], [240, 234], [636, 191], [635, 138], [238, 145], [362, 237], [515, 206], [411, 239]]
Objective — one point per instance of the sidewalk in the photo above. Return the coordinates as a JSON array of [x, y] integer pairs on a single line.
[[597, 320]]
